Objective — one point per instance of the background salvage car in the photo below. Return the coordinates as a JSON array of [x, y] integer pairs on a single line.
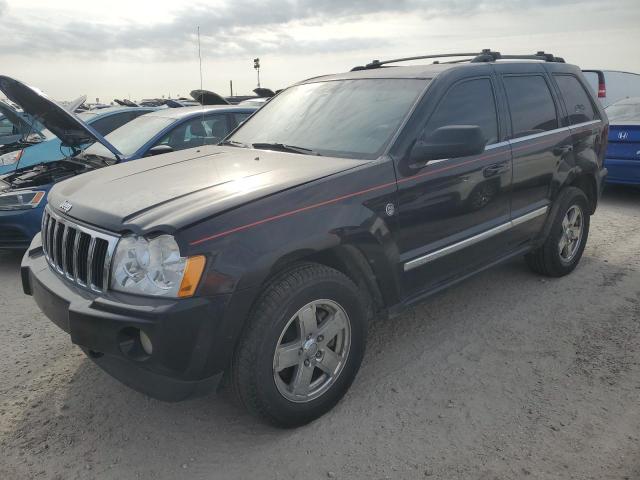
[[23, 191]]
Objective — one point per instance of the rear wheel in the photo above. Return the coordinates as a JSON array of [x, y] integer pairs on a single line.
[[302, 345], [563, 248]]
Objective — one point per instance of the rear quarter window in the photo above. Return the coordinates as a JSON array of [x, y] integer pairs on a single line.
[[531, 105], [576, 99]]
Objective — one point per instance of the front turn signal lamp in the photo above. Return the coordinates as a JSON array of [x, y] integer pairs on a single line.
[[192, 274]]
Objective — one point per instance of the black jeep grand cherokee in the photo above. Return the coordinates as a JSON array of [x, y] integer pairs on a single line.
[[345, 196]]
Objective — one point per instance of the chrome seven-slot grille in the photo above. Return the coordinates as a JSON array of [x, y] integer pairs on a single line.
[[78, 253]]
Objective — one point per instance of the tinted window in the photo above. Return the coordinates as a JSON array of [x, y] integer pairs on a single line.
[[344, 118], [468, 103], [576, 99], [108, 124], [531, 105], [199, 131]]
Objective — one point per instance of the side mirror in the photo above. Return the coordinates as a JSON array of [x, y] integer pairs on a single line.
[[451, 141], [159, 150]]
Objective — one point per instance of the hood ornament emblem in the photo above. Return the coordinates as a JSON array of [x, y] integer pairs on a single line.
[[65, 206]]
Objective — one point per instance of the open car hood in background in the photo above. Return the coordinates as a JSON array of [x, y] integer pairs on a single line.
[[16, 118], [264, 92], [65, 125], [205, 97]]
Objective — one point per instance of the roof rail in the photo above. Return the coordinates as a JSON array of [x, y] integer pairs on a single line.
[[486, 55]]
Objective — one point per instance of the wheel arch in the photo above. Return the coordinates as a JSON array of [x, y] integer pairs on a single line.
[[350, 260], [588, 184]]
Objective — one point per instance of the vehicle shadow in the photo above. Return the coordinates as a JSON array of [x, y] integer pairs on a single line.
[[10, 260], [450, 375], [621, 194]]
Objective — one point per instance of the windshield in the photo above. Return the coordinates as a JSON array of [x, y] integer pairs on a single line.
[[348, 118], [129, 138], [624, 111]]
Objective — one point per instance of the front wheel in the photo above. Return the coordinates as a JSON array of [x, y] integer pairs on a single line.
[[302, 346], [563, 248]]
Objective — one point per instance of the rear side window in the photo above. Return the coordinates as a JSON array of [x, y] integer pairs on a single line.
[[531, 105], [579, 107], [468, 103]]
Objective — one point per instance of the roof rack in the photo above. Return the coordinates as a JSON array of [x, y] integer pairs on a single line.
[[486, 55]]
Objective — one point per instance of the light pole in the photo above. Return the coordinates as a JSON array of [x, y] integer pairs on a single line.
[[256, 65]]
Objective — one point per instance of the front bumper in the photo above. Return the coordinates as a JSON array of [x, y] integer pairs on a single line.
[[18, 227], [626, 172], [185, 360]]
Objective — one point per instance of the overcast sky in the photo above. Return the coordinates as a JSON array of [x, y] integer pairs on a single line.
[[148, 48]]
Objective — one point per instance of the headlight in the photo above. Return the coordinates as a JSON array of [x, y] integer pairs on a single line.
[[154, 267], [11, 157], [21, 200]]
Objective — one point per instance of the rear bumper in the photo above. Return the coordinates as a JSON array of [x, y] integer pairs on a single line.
[[623, 171], [185, 360]]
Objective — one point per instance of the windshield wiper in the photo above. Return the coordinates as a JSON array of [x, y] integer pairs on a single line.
[[233, 143], [105, 160], [281, 147]]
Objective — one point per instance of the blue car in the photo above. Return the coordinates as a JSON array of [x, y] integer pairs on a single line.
[[15, 127], [623, 152], [50, 148], [23, 192]]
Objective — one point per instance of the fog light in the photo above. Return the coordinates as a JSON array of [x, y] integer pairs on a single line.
[[145, 341]]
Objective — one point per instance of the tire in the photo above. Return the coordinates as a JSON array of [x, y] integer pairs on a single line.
[[275, 387], [556, 258]]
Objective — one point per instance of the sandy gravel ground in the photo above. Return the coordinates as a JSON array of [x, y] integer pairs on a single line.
[[506, 376]]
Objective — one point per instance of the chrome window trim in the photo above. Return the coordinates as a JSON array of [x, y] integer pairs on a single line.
[[455, 247], [584, 124], [496, 145], [538, 135], [552, 132]]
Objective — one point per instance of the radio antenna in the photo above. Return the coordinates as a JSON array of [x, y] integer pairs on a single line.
[[201, 93]]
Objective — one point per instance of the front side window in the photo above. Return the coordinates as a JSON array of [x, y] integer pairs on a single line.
[[6, 127], [531, 105], [241, 117], [343, 118], [470, 102], [197, 132], [579, 107]]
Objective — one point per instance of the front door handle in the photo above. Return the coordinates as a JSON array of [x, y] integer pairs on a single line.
[[563, 150], [495, 169]]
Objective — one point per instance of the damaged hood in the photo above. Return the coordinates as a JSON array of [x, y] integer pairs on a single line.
[[174, 190], [65, 125]]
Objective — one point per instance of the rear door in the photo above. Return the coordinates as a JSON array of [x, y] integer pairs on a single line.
[[584, 121], [540, 143]]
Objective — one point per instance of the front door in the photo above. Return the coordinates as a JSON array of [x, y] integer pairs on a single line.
[[453, 212]]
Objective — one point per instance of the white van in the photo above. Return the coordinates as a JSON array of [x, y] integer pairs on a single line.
[[612, 85]]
